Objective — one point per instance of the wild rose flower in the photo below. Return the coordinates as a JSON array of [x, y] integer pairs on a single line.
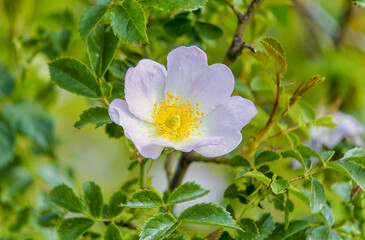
[[186, 107]]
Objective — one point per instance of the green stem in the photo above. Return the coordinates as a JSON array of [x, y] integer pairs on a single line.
[[307, 175], [286, 225], [141, 175]]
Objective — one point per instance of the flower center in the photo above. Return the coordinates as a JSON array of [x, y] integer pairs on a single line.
[[176, 121]]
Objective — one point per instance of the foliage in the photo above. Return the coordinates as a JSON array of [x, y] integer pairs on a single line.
[[41, 196]]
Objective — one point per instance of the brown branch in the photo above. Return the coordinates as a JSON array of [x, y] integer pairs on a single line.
[[264, 131], [243, 19], [344, 22], [184, 163], [181, 169]]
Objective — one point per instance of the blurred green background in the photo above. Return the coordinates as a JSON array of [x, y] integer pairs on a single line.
[[319, 37]]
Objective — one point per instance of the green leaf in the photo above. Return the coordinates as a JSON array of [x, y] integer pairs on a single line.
[[30, 119], [113, 130], [7, 81], [343, 189], [112, 233], [101, 47], [22, 218], [65, 197], [314, 81], [266, 226], [208, 214], [17, 181], [91, 18], [279, 185], [93, 198], [118, 68], [298, 193], [128, 22], [335, 166], [274, 43], [327, 214], [239, 161], [72, 228], [360, 3], [354, 154], [75, 77], [250, 230], [95, 115], [326, 155], [318, 197], [266, 156], [333, 234], [294, 154], [7, 141], [276, 53], [177, 26], [295, 226], [145, 199], [172, 5], [307, 153], [115, 208], [320, 232], [159, 227], [186, 192], [257, 175], [357, 172], [325, 121], [225, 236], [307, 111], [208, 30]]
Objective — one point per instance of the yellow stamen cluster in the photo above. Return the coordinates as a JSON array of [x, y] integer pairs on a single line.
[[176, 121]]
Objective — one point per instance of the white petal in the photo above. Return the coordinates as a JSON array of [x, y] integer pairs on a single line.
[[184, 66], [229, 143], [137, 130], [226, 121], [232, 115], [190, 77], [213, 88], [145, 86], [189, 144]]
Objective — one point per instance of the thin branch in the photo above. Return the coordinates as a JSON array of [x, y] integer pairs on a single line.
[[284, 131], [218, 160], [265, 130], [181, 169], [168, 167], [307, 175], [248, 46], [243, 19]]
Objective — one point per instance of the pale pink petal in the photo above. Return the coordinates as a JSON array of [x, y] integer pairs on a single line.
[[190, 77], [230, 141], [189, 144], [137, 130], [145, 86], [226, 121]]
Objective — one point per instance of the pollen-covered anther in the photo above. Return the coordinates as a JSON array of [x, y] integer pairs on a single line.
[[176, 121]]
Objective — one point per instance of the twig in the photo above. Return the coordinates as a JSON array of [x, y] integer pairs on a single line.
[[168, 167], [346, 17], [181, 169], [264, 131], [306, 175], [127, 225], [248, 46], [243, 19], [284, 131], [210, 160]]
